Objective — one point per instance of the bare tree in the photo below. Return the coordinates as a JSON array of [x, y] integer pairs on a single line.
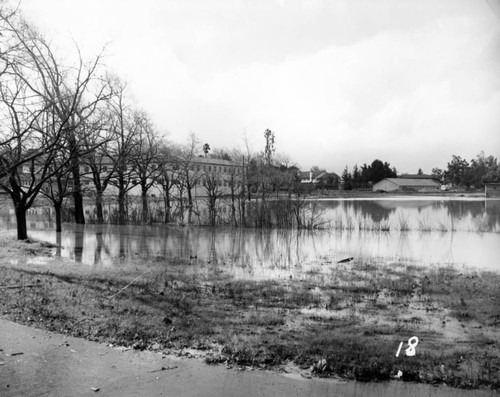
[[42, 103], [288, 174], [24, 166], [58, 187], [97, 143], [70, 91], [124, 127], [168, 175], [81, 154], [188, 175], [145, 159], [212, 184], [234, 178]]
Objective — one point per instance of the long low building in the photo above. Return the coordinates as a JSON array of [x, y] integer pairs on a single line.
[[407, 185], [492, 189]]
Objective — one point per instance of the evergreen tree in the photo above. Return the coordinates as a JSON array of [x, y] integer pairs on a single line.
[[346, 179], [356, 177]]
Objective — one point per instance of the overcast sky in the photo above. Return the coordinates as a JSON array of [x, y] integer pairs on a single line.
[[340, 82]]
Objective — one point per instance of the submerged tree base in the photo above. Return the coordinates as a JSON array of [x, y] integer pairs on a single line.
[[349, 324]]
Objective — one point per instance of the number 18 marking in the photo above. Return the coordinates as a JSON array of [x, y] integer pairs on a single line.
[[410, 350]]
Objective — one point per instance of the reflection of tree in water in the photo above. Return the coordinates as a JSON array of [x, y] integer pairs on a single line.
[[145, 242], [238, 253], [187, 237], [483, 214], [242, 250], [126, 242], [369, 208], [329, 205], [99, 247], [492, 209], [289, 243], [213, 244], [459, 209], [78, 242], [263, 246], [123, 244], [258, 250]]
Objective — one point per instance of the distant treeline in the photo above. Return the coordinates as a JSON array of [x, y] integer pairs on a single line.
[[458, 173], [367, 175], [461, 173]]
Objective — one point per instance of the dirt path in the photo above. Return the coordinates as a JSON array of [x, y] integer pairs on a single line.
[[39, 363]]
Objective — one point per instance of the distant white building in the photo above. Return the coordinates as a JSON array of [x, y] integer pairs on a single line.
[[198, 169], [407, 185]]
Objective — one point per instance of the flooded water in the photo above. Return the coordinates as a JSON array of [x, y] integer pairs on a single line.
[[431, 231], [410, 213]]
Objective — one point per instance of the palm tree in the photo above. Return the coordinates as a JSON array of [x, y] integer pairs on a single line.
[[206, 149]]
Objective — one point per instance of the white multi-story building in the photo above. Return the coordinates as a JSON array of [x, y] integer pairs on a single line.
[[197, 173]]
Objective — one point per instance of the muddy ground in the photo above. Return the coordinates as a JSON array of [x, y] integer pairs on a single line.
[[343, 321]]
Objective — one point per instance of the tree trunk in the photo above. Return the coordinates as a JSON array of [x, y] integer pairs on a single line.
[[121, 207], [58, 244], [243, 220], [190, 195], [22, 230], [78, 200], [57, 209], [145, 210], [212, 213], [77, 191], [233, 208], [166, 201], [98, 207], [181, 208]]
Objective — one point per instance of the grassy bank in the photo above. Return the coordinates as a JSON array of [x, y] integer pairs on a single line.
[[348, 323]]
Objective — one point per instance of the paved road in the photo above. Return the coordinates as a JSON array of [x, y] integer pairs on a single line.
[[40, 363]]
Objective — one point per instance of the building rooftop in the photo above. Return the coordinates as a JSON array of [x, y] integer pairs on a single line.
[[414, 182], [315, 174], [210, 160], [418, 176]]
